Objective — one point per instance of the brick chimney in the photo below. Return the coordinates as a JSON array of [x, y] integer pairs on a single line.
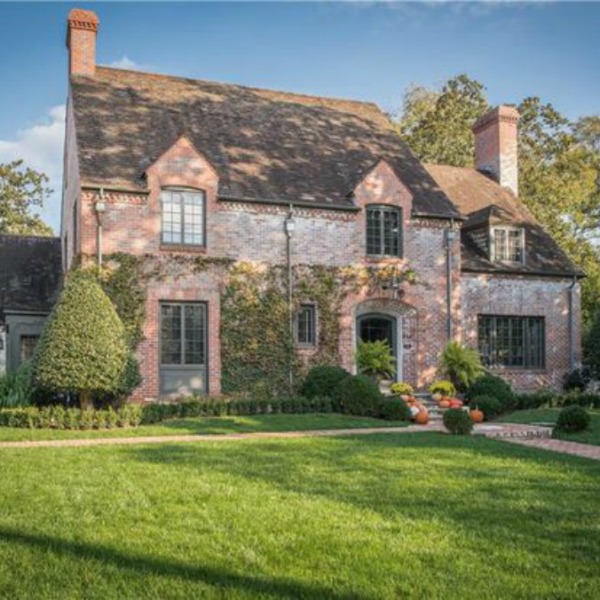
[[82, 27], [496, 146]]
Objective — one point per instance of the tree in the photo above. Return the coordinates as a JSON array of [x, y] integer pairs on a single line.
[[437, 125], [21, 190], [83, 347]]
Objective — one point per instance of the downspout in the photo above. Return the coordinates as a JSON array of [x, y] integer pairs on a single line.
[[571, 290], [289, 227], [100, 208], [450, 235]]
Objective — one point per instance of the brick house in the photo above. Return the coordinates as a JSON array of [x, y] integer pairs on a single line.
[[170, 167]]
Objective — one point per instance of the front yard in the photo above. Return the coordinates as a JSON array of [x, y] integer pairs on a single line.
[[379, 516]]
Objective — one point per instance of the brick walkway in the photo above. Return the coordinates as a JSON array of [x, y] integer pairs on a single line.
[[526, 435]]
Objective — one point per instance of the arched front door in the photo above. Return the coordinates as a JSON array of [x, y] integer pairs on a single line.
[[374, 327]]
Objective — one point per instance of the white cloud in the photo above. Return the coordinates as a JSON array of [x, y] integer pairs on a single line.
[[41, 148], [126, 63]]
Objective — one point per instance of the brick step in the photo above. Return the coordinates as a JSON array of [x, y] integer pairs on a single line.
[[515, 434]]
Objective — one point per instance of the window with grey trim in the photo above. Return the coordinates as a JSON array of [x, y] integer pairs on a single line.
[[306, 325], [508, 244], [183, 217], [183, 334], [384, 231], [512, 341]]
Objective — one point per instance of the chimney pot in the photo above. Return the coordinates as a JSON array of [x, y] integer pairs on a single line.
[[82, 28], [496, 146]]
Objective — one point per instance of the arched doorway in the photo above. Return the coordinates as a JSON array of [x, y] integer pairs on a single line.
[[372, 327]]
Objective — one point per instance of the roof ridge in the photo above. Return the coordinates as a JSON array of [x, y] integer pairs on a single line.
[[239, 85]]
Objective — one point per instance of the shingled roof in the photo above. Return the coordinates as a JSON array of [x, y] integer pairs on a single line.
[[30, 273], [265, 145], [483, 202]]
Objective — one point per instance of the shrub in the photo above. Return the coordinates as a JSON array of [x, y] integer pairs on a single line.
[[393, 409], [495, 387], [573, 418], [130, 379], [400, 389], [375, 359], [82, 348], [461, 364], [490, 407], [16, 388], [536, 400], [444, 387], [322, 381], [577, 379], [458, 421], [357, 395]]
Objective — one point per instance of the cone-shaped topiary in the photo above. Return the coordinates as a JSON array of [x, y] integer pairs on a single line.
[[82, 348]]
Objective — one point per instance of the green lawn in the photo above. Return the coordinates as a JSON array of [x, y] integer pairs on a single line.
[[549, 415], [380, 516], [217, 425]]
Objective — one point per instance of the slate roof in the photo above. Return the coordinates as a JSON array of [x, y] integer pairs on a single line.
[[265, 145], [482, 201], [30, 273]]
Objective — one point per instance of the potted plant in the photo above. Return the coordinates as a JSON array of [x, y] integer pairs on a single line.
[[375, 360]]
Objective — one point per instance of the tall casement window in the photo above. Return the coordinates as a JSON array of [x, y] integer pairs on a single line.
[[183, 352], [306, 325], [183, 217], [508, 244], [512, 341], [384, 231]]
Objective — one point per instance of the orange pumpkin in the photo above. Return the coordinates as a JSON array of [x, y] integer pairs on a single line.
[[456, 403], [444, 403], [477, 415], [422, 417]]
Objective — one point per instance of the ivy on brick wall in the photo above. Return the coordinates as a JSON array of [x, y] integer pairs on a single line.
[[257, 345]]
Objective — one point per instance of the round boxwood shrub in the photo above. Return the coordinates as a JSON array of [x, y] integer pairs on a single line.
[[458, 421], [393, 409], [573, 418], [488, 404], [357, 395], [494, 386], [82, 348], [322, 381]]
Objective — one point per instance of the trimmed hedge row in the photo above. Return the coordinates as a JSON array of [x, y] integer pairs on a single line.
[[59, 417], [557, 400]]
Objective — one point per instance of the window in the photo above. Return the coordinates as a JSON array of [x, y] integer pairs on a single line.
[[306, 321], [512, 341], [182, 217], [183, 334], [508, 244], [384, 231], [28, 344]]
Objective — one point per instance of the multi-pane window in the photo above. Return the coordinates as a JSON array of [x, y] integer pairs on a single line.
[[183, 334], [384, 231], [512, 341], [306, 322], [28, 344], [183, 214], [508, 244]]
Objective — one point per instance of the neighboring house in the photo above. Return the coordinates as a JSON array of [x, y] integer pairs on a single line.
[[170, 167], [30, 278]]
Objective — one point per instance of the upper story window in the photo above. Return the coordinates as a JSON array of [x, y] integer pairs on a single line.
[[306, 325], [508, 244], [384, 231], [183, 217]]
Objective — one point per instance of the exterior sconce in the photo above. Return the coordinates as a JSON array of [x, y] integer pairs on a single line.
[[290, 226]]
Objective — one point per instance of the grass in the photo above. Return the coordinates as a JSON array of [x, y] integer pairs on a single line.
[[549, 415], [380, 516], [216, 425]]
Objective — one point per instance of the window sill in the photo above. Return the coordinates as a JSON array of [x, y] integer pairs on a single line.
[[183, 248], [383, 258]]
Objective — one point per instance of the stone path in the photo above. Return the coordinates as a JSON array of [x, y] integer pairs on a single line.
[[527, 435]]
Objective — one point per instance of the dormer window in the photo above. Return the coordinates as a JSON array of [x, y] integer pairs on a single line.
[[183, 216], [508, 244], [384, 231]]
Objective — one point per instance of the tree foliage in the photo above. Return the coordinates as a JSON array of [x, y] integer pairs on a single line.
[[83, 347], [21, 190]]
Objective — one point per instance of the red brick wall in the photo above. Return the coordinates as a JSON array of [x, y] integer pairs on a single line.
[[81, 41]]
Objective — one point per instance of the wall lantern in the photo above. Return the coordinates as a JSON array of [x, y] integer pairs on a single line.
[[290, 226]]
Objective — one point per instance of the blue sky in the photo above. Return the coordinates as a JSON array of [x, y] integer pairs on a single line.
[[369, 51]]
